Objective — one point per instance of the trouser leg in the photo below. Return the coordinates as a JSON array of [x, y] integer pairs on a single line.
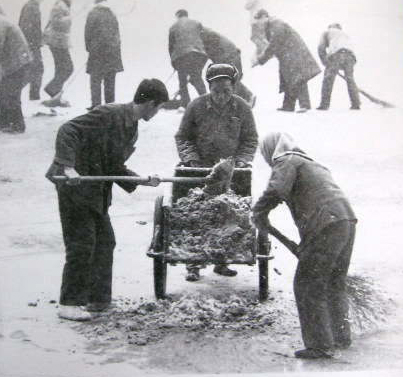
[[63, 70], [100, 289], [10, 100], [183, 87], [79, 234], [303, 96], [313, 285], [109, 87], [195, 69], [338, 299], [289, 101], [36, 74], [351, 85], [327, 85], [96, 89]]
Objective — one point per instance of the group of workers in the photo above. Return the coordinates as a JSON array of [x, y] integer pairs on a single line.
[[215, 125]]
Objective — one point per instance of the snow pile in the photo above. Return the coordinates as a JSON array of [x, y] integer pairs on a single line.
[[146, 321], [206, 228]]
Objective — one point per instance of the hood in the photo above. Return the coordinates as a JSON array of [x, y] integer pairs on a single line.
[[276, 144]]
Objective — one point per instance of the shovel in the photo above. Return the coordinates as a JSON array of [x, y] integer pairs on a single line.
[[217, 182]]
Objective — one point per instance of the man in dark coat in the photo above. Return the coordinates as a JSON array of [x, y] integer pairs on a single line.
[[97, 143], [187, 53], [296, 63], [326, 224], [220, 49], [336, 53], [57, 36], [215, 126], [102, 41], [30, 24], [15, 60]]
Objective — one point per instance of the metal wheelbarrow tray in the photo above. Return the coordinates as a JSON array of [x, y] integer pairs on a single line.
[[161, 251]]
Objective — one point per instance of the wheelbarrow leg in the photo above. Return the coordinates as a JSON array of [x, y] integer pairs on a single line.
[[263, 248], [160, 265]]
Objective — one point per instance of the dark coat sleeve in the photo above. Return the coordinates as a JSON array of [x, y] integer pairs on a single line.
[[323, 44], [30, 24], [281, 182], [248, 137], [186, 136]]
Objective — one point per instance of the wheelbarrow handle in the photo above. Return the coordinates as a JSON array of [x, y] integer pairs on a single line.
[[120, 178]]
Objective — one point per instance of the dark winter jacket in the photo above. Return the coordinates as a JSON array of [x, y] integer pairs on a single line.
[[307, 188], [219, 48], [207, 134], [30, 24], [296, 63], [184, 37], [96, 143], [102, 41], [57, 31], [14, 50]]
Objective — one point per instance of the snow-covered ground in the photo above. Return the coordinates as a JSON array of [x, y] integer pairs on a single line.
[[363, 149]]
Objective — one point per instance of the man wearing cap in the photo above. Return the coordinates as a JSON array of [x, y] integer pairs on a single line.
[[336, 53], [217, 125], [97, 143], [187, 53], [296, 63], [220, 49]]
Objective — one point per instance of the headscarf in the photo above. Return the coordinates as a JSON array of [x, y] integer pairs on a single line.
[[277, 144]]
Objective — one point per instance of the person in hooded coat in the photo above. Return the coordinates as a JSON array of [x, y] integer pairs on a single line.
[[220, 49], [296, 63], [31, 25], [57, 36], [15, 60], [102, 41], [326, 225]]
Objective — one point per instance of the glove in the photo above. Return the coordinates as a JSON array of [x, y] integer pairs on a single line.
[[261, 221], [195, 164], [153, 180], [241, 164], [73, 178]]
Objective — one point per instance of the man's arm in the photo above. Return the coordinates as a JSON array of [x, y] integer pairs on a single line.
[[186, 137], [248, 138], [323, 45]]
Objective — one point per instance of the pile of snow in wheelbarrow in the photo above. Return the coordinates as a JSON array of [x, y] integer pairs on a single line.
[[212, 227]]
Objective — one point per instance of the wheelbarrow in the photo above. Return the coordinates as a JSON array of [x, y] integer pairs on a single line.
[[160, 250]]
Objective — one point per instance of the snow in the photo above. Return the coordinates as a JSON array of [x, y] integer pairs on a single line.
[[363, 149]]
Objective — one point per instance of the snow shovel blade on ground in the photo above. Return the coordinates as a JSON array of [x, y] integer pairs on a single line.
[[217, 182]]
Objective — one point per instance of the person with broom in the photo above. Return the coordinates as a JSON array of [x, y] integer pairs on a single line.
[[326, 224], [336, 53], [97, 144]]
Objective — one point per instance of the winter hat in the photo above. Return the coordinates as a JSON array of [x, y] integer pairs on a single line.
[[334, 26], [182, 13], [216, 71], [151, 90], [261, 13]]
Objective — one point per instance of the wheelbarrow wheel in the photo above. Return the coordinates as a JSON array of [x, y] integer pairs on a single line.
[[263, 248], [160, 266]]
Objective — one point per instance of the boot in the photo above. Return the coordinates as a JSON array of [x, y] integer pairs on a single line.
[[193, 274], [98, 306], [314, 353], [74, 313], [222, 269]]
